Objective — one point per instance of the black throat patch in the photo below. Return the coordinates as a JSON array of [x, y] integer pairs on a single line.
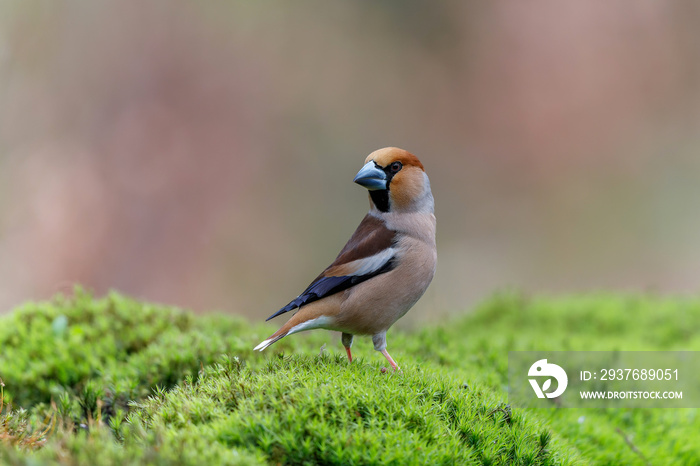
[[381, 197]]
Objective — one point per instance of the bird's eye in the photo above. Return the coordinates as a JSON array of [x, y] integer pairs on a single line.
[[396, 166]]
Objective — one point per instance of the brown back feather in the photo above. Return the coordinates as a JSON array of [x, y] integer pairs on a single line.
[[371, 237]]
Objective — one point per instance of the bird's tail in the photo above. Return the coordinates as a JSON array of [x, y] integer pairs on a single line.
[[278, 335], [313, 315]]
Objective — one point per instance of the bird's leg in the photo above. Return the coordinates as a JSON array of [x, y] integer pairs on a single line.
[[346, 339], [379, 341], [391, 360]]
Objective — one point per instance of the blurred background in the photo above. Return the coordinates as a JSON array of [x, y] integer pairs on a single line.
[[201, 154]]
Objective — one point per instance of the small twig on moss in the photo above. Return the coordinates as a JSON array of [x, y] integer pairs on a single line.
[[632, 446], [507, 412], [17, 434]]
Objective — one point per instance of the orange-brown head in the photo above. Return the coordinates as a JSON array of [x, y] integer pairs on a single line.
[[396, 181]]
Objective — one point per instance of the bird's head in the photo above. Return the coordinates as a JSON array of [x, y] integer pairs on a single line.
[[396, 181]]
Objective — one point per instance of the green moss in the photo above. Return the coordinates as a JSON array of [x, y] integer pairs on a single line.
[[126, 347], [133, 382]]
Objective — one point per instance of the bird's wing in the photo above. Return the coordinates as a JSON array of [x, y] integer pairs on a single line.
[[369, 252]]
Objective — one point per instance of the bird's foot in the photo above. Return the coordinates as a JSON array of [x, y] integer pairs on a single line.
[[384, 370], [391, 361]]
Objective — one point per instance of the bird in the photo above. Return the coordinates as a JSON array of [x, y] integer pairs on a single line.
[[386, 265]]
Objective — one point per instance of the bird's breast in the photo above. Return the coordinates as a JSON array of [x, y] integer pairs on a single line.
[[376, 304]]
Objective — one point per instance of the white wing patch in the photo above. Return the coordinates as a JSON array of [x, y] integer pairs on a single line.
[[371, 264]]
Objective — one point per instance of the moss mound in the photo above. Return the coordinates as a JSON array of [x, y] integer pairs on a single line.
[[117, 381]]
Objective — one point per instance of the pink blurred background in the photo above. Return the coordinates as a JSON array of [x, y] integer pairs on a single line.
[[202, 153]]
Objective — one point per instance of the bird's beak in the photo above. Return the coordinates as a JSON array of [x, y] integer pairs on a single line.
[[371, 177]]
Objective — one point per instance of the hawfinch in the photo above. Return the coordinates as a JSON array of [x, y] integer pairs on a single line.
[[384, 268]]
